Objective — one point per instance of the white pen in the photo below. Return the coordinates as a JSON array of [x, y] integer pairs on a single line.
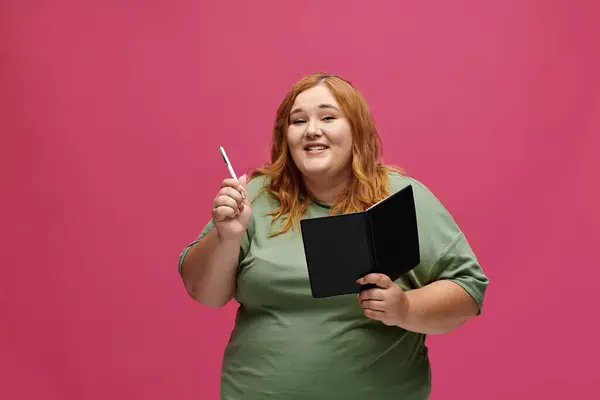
[[230, 168]]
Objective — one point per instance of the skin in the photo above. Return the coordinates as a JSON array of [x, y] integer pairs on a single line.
[[209, 268], [317, 118], [437, 308]]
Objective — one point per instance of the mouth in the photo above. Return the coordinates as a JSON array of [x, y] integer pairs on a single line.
[[315, 147]]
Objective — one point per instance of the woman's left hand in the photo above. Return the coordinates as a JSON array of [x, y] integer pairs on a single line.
[[386, 303]]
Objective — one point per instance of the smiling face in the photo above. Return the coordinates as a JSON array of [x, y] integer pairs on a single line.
[[319, 135]]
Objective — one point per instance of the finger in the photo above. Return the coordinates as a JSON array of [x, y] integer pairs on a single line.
[[243, 181], [224, 200], [374, 314], [244, 185], [372, 294], [231, 192], [375, 305], [381, 280], [223, 213], [236, 185], [230, 182]]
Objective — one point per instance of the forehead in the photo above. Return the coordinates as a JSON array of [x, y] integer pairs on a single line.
[[314, 97]]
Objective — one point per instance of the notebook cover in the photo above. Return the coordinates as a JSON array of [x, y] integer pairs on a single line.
[[337, 247], [337, 253], [395, 234]]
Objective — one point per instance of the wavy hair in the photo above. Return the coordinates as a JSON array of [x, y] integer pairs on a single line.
[[369, 183]]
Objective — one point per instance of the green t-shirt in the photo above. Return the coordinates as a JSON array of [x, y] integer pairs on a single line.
[[288, 345]]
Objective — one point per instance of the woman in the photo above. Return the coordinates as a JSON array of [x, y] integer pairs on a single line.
[[287, 344]]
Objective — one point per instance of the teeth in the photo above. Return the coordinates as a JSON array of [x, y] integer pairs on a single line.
[[316, 148]]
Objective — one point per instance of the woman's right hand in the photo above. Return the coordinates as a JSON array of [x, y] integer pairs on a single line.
[[231, 213]]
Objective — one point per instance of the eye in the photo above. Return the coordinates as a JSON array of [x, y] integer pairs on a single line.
[[328, 118], [298, 122]]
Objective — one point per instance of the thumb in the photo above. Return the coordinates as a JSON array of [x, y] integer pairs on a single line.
[[381, 280], [243, 180]]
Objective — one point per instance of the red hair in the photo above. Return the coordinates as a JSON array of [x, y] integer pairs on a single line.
[[370, 174]]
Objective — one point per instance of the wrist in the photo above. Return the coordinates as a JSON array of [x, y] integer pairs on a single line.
[[405, 311], [231, 241]]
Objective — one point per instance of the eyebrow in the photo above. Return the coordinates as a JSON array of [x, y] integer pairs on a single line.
[[321, 106]]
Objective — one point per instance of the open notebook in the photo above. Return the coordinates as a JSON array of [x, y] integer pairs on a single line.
[[340, 249]]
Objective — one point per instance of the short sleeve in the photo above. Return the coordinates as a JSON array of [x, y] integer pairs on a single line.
[[207, 228], [445, 252], [459, 264], [253, 187]]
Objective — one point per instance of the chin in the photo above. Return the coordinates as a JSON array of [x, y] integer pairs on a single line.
[[315, 173], [315, 170]]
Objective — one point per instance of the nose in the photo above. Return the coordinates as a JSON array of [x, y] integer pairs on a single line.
[[312, 130]]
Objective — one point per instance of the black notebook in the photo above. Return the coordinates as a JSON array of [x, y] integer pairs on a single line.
[[340, 249]]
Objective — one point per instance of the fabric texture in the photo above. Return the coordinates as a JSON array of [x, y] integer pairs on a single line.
[[287, 345]]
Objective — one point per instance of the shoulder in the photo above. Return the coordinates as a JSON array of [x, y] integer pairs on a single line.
[[256, 183], [258, 194], [425, 200], [398, 181], [437, 226]]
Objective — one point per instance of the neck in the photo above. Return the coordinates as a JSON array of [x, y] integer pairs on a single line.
[[325, 189]]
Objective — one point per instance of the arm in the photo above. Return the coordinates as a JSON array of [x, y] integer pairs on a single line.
[[437, 308], [449, 284], [209, 269], [454, 294]]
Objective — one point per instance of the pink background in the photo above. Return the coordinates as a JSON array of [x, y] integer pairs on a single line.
[[111, 114]]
